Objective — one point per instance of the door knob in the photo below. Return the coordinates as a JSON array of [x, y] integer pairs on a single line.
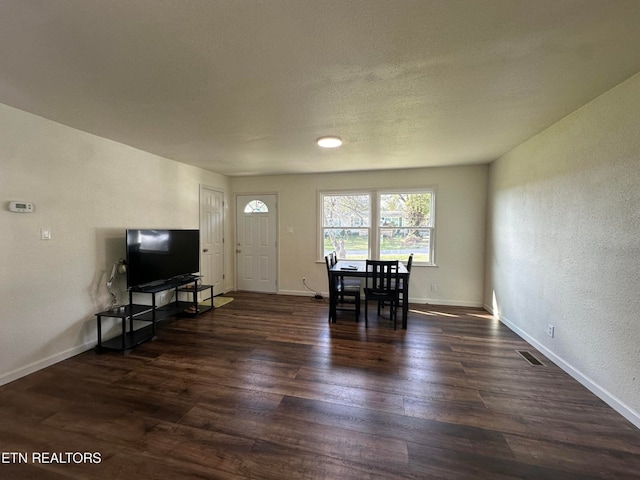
[[238, 250], [205, 250]]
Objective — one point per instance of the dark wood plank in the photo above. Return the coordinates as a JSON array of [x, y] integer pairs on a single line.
[[265, 387]]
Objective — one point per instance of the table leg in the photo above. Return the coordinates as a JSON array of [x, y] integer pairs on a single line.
[[332, 299], [153, 314], [124, 333], [195, 298], [405, 303], [99, 332]]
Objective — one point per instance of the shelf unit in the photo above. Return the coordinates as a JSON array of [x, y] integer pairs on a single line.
[[152, 314]]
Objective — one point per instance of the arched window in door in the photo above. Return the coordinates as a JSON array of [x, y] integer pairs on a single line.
[[256, 206]]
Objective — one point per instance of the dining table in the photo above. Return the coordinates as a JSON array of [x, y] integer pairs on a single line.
[[358, 269]]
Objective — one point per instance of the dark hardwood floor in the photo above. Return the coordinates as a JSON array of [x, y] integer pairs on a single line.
[[266, 388]]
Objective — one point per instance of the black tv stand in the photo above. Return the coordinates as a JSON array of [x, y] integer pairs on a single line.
[[151, 314], [150, 285]]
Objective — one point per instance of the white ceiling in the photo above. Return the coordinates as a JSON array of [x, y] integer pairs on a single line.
[[245, 87]]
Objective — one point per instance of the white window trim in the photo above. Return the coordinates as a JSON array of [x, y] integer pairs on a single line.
[[431, 227], [320, 216], [374, 220]]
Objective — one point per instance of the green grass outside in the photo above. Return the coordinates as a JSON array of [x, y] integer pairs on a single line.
[[390, 248]]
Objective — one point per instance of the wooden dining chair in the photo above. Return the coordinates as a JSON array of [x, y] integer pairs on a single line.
[[347, 283], [401, 298], [382, 286], [340, 289]]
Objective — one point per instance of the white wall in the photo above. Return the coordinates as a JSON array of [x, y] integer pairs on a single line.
[[563, 244], [460, 227], [87, 190]]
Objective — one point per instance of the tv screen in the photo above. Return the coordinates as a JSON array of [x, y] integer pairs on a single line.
[[157, 255]]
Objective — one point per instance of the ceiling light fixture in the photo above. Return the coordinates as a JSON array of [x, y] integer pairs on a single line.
[[329, 141]]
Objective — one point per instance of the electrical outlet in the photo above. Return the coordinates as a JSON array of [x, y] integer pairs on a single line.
[[550, 330], [434, 287]]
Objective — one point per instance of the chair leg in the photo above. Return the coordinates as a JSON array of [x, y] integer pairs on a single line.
[[366, 313], [394, 314], [394, 311]]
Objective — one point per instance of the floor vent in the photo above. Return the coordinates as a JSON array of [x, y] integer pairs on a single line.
[[530, 358]]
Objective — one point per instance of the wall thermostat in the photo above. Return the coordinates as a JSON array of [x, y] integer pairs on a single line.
[[21, 207]]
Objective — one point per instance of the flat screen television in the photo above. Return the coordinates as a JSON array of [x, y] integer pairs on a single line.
[[154, 256]]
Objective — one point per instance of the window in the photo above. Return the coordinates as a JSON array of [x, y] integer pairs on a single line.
[[256, 206], [346, 221], [405, 226]]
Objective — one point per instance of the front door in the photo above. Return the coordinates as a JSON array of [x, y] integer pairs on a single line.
[[212, 238], [256, 220]]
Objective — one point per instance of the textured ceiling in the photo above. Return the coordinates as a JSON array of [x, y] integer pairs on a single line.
[[245, 87]]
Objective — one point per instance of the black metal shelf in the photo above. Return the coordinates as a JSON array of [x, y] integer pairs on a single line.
[[166, 285], [126, 311], [129, 340], [193, 308], [152, 313]]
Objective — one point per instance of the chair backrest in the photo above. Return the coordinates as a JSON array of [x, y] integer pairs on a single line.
[[334, 257], [409, 263], [327, 260], [382, 275]]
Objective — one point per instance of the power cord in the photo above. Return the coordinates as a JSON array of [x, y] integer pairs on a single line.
[[317, 295]]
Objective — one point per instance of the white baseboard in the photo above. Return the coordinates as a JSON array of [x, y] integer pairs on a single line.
[[418, 301], [45, 362], [301, 293], [593, 387], [448, 303]]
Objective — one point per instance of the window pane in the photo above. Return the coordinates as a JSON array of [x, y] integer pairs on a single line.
[[399, 243], [405, 210], [348, 211], [350, 243], [256, 206]]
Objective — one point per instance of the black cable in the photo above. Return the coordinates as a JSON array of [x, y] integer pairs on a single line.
[[317, 295]]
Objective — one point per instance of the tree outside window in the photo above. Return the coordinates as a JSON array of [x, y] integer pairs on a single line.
[[406, 226], [346, 225]]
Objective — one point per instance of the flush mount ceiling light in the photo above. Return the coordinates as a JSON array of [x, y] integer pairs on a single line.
[[329, 141]]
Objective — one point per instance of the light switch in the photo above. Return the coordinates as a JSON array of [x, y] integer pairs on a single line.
[[45, 233], [289, 230]]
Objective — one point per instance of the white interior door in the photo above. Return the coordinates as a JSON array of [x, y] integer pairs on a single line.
[[256, 224], [212, 238]]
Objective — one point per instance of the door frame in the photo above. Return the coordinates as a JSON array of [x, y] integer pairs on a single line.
[[235, 239], [222, 191]]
